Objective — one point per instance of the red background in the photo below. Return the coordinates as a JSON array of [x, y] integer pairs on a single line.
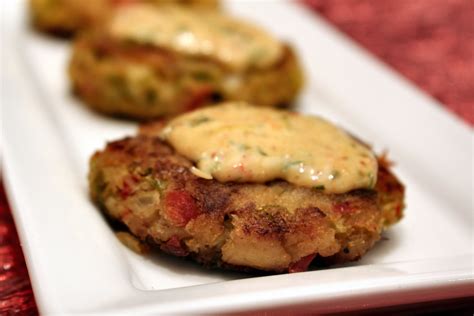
[[430, 42]]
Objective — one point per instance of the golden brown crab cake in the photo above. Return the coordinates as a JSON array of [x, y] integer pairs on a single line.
[[66, 17], [169, 200], [147, 63]]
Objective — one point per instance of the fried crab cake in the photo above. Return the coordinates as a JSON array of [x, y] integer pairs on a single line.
[[66, 17], [170, 202], [148, 62]]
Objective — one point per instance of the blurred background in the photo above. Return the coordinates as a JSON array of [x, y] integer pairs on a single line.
[[430, 42]]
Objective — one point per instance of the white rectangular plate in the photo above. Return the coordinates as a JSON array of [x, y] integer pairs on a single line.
[[76, 264]]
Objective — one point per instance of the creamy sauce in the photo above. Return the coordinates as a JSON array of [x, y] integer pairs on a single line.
[[197, 32], [241, 143]]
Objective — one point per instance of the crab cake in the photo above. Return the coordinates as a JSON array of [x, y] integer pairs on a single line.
[[66, 17], [147, 63], [251, 200]]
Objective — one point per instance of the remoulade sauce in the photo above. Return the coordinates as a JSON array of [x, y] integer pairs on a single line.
[[236, 142]]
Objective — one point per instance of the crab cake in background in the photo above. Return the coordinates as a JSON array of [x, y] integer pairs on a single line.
[[248, 188], [148, 62], [66, 17]]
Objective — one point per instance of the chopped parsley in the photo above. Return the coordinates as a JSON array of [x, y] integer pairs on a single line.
[[371, 177], [292, 164], [199, 120], [151, 96], [243, 147], [334, 175], [261, 152], [146, 172], [159, 185], [202, 76]]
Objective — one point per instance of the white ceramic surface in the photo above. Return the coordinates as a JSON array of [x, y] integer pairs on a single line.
[[77, 266]]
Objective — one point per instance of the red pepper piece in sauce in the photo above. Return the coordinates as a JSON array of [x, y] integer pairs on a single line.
[[180, 207]]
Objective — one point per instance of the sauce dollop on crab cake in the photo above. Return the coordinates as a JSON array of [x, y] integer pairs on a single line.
[[67, 17], [243, 187], [148, 62]]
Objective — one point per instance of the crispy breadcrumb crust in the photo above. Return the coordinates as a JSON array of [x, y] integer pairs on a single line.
[[275, 227]]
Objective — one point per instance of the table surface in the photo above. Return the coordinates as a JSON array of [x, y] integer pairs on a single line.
[[427, 41]]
